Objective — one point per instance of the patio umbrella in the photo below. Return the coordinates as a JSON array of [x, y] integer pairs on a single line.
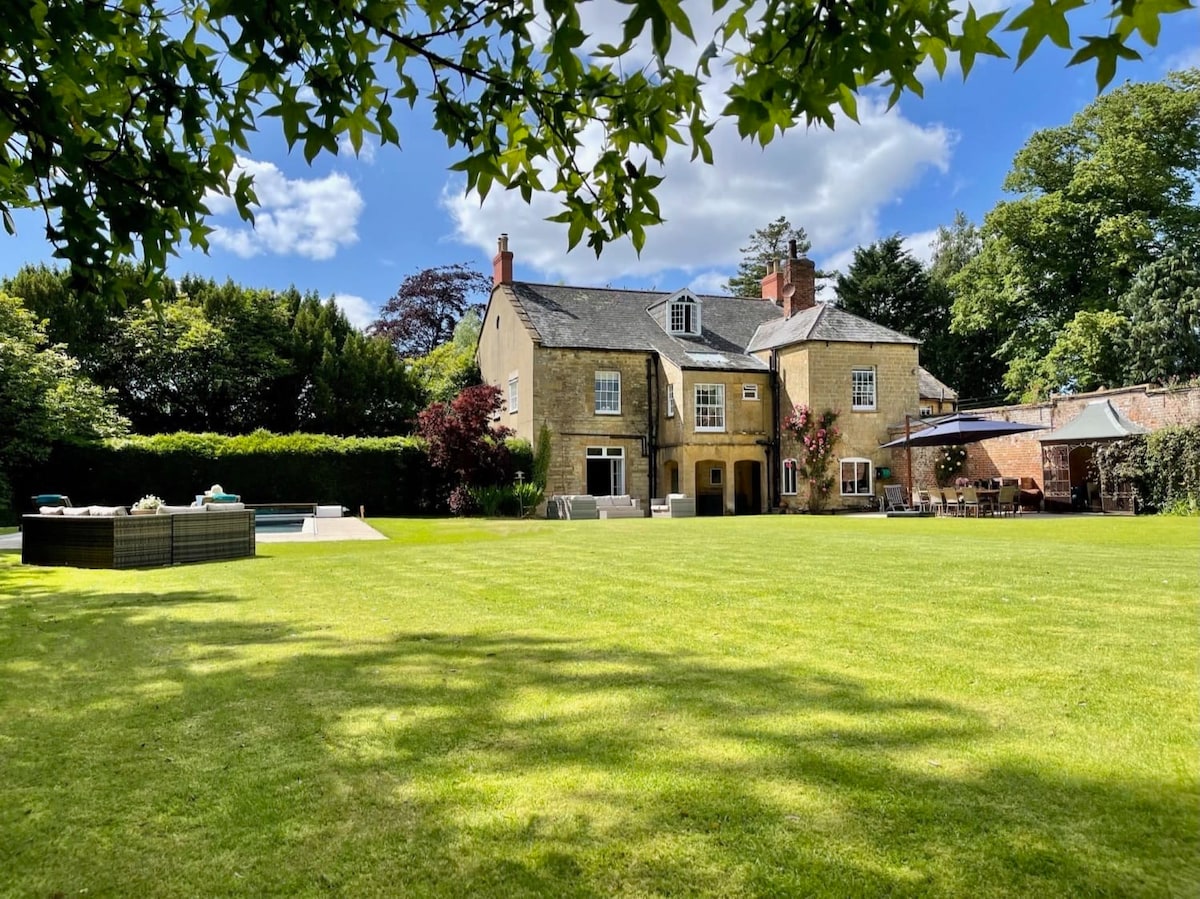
[[957, 428], [962, 428]]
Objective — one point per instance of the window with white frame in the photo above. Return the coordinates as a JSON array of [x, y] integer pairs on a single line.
[[608, 393], [749, 391], [788, 483], [926, 411], [710, 407], [856, 477], [684, 315], [512, 394], [670, 401], [862, 389], [716, 476]]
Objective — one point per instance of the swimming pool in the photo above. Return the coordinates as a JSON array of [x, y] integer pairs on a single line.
[[291, 518], [279, 523], [284, 518]]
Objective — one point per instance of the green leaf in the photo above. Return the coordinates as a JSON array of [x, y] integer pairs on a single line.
[[1040, 20], [1105, 50], [848, 102], [976, 39]]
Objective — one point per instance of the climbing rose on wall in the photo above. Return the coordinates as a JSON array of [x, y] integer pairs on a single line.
[[816, 435]]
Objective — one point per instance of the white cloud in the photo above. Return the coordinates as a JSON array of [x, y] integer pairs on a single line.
[[1186, 59], [357, 310], [295, 216], [832, 183], [920, 245], [366, 154], [709, 282]]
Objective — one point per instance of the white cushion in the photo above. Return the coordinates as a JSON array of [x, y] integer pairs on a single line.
[[106, 511], [77, 511], [179, 510], [225, 507], [50, 510]]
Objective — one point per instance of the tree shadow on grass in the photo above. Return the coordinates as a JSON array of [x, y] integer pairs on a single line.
[[152, 753]]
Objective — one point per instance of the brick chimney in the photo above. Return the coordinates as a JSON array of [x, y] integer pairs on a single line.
[[799, 289], [772, 284], [502, 263]]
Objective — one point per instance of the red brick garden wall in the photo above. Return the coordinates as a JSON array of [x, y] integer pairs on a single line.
[[1021, 455]]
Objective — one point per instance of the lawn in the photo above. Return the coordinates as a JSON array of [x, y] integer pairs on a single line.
[[774, 706]]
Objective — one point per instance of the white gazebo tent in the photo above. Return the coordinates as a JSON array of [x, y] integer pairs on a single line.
[[1068, 478]]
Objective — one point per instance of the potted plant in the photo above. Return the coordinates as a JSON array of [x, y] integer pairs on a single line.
[[147, 505]]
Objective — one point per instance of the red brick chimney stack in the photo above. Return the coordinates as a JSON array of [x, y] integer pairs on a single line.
[[800, 283], [502, 263], [772, 284]]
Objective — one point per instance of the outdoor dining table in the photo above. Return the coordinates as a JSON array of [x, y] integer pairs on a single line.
[[988, 497]]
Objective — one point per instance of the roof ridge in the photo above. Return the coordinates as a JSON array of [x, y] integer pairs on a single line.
[[658, 292]]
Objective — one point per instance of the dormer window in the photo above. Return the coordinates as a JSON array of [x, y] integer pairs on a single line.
[[683, 314]]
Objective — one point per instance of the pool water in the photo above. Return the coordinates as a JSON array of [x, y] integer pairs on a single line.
[[267, 522]]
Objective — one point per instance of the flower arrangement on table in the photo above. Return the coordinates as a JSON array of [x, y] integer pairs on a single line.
[[148, 503]]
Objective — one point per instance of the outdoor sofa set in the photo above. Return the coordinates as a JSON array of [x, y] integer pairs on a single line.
[[575, 507], [110, 537]]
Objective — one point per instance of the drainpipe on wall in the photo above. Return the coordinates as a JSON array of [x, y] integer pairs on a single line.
[[652, 419], [773, 451]]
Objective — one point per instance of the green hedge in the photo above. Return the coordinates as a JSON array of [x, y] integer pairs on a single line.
[[386, 475], [1162, 468], [1173, 469]]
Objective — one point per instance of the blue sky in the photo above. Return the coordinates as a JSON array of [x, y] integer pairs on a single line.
[[355, 227]]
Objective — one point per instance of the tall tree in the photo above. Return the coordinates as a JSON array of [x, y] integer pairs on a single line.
[[1163, 310], [427, 307], [354, 384], [767, 244], [1088, 354], [119, 120], [450, 368], [887, 284], [1098, 199], [226, 358], [967, 362], [80, 320], [43, 396]]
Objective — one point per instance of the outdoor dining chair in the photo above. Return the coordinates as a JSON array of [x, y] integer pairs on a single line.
[[970, 502], [1006, 501], [950, 501], [936, 501]]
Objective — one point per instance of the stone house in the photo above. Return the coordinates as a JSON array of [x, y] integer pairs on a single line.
[[650, 392], [936, 398]]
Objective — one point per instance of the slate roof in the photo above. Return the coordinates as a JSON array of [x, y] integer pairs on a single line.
[[930, 387], [732, 328], [607, 319], [824, 322], [1098, 421]]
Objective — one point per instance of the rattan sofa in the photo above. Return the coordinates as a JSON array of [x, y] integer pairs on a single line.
[[136, 541]]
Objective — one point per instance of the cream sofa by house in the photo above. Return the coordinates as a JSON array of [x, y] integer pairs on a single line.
[[573, 507], [674, 505], [623, 506]]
